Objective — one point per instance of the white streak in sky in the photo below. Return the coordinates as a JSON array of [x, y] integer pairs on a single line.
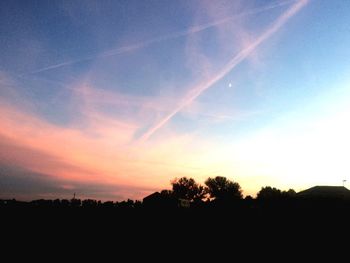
[[140, 45], [243, 54]]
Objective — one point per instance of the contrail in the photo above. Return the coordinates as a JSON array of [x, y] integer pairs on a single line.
[[244, 53], [178, 34]]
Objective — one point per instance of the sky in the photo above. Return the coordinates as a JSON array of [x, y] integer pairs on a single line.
[[113, 99]]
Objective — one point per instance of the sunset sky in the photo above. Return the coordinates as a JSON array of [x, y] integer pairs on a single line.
[[113, 99]]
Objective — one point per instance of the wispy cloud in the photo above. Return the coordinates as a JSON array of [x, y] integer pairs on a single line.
[[237, 59], [191, 30], [29, 185], [97, 152]]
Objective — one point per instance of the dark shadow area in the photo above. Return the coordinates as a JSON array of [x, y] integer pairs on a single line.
[[214, 217]]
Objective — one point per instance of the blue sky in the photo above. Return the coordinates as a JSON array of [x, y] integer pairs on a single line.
[[116, 98]]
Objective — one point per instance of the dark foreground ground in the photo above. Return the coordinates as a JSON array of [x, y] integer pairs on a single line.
[[250, 229], [253, 216]]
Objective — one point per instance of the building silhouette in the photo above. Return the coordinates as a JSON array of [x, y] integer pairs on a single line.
[[338, 192]]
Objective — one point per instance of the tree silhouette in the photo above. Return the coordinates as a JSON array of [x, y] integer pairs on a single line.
[[187, 188], [221, 188], [89, 203], [269, 193], [289, 194]]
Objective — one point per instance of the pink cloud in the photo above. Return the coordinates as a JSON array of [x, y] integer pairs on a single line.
[[99, 152]]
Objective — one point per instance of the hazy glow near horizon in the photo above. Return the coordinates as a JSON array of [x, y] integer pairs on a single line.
[[113, 100]]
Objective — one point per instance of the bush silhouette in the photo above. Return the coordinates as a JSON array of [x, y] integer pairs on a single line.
[[187, 188], [222, 189]]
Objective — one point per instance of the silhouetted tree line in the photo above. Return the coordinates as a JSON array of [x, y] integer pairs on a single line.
[[72, 203], [186, 193]]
